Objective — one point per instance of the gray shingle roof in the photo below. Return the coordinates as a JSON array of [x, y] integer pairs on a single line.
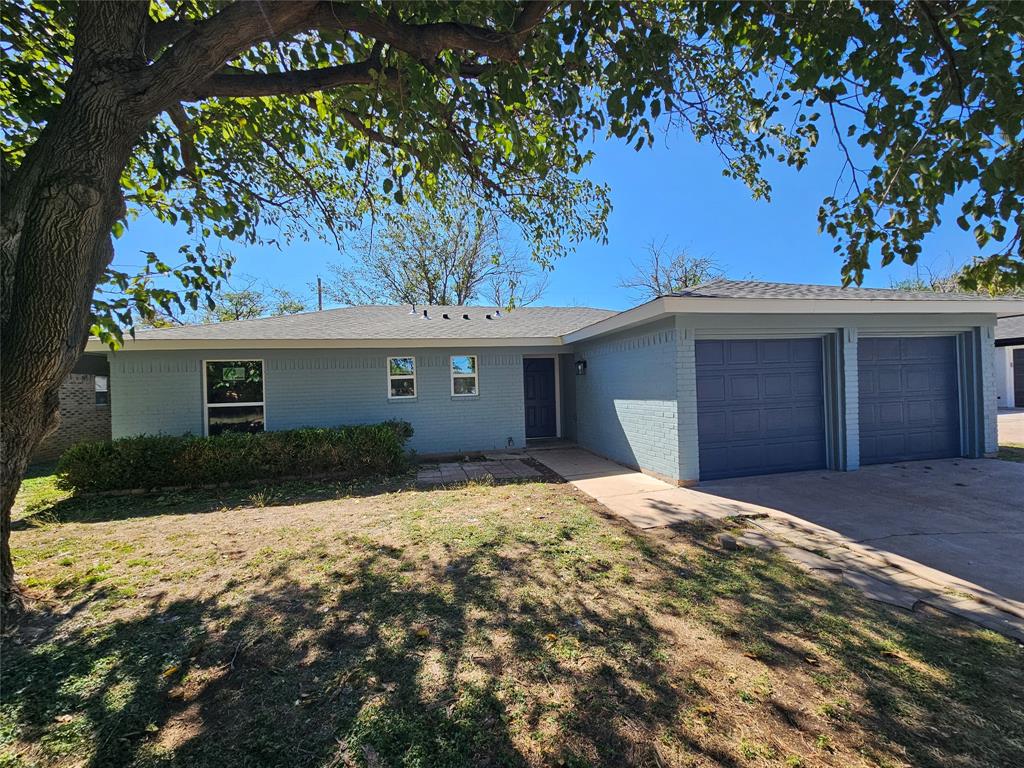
[[1010, 328], [388, 322], [752, 289]]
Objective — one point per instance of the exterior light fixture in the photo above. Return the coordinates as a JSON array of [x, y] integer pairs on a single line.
[[581, 367]]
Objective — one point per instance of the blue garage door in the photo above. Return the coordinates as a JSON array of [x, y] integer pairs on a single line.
[[760, 406], [909, 399]]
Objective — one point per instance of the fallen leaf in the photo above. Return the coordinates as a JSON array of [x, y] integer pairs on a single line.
[[171, 670]]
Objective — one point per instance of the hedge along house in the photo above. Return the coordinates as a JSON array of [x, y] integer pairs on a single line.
[[727, 379]]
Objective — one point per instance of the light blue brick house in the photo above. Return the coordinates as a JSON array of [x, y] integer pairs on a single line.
[[730, 378]]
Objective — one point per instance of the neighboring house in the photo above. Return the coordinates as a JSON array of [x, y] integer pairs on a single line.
[[1010, 362], [84, 407], [729, 378]]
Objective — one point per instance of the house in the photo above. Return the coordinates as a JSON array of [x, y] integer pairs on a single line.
[[1010, 362], [84, 408], [729, 378]]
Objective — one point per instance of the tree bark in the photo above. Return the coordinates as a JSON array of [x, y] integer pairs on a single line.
[[57, 213]]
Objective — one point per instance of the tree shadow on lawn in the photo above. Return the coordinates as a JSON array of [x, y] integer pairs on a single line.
[[479, 657], [104, 508]]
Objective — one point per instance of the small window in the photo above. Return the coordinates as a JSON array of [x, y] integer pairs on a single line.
[[401, 377], [102, 390], [464, 376], [234, 396]]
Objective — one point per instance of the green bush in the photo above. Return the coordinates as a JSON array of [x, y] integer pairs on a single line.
[[153, 461]]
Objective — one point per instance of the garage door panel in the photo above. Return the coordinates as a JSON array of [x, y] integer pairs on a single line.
[[710, 353], [744, 387], [909, 409], [773, 405], [711, 389], [740, 353], [778, 385], [745, 424], [714, 423]]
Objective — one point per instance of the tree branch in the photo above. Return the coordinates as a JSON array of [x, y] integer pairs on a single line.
[[285, 83]]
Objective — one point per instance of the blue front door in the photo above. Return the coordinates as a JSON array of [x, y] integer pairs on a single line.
[[539, 392]]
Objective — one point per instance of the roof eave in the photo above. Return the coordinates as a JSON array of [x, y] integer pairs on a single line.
[[152, 345], [690, 305]]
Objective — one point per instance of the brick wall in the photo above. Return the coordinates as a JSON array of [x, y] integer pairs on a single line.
[[626, 404], [80, 418]]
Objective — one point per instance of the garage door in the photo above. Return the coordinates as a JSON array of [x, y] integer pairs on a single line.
[[760, 406], [909, 399]]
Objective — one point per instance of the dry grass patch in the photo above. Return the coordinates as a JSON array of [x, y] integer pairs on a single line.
[[486, 625]]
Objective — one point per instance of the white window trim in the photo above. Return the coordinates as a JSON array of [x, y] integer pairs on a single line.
[[475, 376], [402, 376], [207, 406]]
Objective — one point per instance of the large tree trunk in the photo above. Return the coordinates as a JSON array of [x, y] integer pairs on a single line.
[[58, 210]]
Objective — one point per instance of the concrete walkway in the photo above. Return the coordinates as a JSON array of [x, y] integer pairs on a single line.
[[455, 472], [882, 575]]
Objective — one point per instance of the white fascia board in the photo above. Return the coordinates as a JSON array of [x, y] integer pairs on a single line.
[[151, 345], [678, 305], [652, 310]]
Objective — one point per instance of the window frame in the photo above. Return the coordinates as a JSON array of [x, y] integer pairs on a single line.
[[475, 376], [402, 377], [96, 390], [207, 405]]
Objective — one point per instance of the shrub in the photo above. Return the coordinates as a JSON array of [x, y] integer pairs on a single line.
[[153, 461]]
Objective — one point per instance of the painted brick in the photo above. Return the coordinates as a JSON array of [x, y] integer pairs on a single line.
[[80, 418], [161, 392], [852, 384], [626, 404], [989, 387]]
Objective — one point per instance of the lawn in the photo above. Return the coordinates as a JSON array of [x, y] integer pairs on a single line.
[[379, 625], [1011, 452]]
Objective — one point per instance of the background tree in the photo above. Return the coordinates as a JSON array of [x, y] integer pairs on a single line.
[[250, 301], [663, 271], [292, 118], [454, 254]]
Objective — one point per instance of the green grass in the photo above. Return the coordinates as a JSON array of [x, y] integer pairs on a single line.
[[378, 625], [1011, 452]]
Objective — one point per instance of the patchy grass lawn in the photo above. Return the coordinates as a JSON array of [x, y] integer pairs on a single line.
[[1011, 452], [486, 625]]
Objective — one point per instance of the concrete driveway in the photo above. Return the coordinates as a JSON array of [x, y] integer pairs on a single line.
[[961, 517], [946, 533], [1011, 426]]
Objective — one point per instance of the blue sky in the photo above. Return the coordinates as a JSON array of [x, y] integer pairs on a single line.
[[674, 192]]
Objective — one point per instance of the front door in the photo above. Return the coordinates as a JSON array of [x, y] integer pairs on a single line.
[[539, 392]]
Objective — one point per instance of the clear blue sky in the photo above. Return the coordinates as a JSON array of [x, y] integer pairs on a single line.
[[674, 191]]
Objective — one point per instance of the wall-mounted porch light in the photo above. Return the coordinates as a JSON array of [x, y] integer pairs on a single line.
[[581, 367]]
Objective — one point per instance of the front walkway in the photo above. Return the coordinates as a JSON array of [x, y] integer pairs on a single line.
[[650, 503], [454, 472]]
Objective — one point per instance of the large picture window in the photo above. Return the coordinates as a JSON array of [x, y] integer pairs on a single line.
[[464, 378], [401, 377], [233, 396]]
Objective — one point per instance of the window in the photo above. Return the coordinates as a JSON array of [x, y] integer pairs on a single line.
[[102, 386], [401, 377], [233, 396], [464, 376]]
